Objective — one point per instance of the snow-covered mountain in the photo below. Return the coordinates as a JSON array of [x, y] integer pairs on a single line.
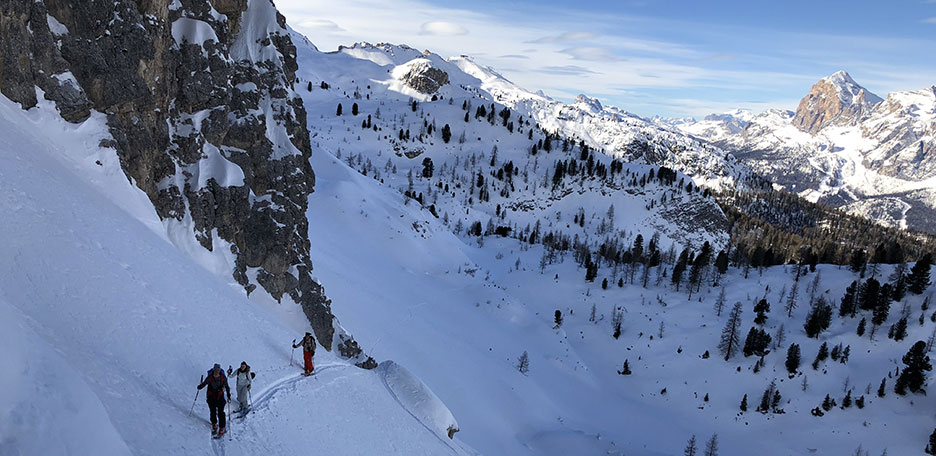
[[843, 146], [539, 277], [471, 303]]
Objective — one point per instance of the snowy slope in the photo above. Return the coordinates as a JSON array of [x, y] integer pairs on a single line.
[[459, 316], [363, 76], [458, 310], [107, 326]]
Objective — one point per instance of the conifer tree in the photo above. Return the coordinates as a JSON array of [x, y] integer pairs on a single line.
[[711, 447], [931, 446], [731, 335], [793, 358], [720, 303], [870, 292], [920, 275], [761, 309], [861, 327], [744, 403], [913, 376], [691, 446], [558, 319], [791, 300], [847, 307], [721, 266], [827, 403], [446, 133], [625, 370], [882, 390], [679, 269], [338, 111], [818, 319], [523, 364], [354, 109], [821, 355], [756, 342], [900, 329]]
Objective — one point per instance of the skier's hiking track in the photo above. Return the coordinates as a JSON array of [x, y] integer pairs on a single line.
[[264, 395], [217, 445]]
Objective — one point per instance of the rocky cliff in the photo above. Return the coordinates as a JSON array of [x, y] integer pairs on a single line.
[[199, 101], [836, 99]]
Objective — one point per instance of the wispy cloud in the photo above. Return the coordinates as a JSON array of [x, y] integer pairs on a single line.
[[567, 37], [591, 53], [573, 70], [442, 28], [647, 65], [930, 20]]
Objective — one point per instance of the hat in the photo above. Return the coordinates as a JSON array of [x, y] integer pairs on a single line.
[[308, 333], [217, 366]]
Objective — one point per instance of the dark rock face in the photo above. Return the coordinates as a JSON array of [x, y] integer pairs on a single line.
[[424, 78], [203, 117]]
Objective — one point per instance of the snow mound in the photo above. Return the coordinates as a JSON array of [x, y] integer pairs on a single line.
[[418, 399]]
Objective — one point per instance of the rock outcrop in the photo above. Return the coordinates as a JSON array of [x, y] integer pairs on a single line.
[[199, 101], [425, 78], [836, 99]]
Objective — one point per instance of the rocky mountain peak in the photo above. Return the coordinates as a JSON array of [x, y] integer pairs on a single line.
[[588, 103], [836, 99]]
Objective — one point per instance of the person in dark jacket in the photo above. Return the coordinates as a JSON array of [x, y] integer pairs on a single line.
[[308, 351], [218, 387]]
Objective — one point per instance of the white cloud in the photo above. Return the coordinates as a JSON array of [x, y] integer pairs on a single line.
[[930, 20], [591, 53], [321, 24], [442, 28]]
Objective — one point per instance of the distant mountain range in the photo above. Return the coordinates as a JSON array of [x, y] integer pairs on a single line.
[[843, 146]]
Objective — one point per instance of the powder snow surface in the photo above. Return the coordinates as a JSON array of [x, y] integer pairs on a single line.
[[106, 327]]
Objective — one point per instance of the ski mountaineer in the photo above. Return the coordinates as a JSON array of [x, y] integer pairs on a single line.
[[308, 351], [244, 380], [217, 387]]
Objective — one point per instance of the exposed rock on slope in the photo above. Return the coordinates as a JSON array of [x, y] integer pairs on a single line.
[[424, 78], [200, 104]]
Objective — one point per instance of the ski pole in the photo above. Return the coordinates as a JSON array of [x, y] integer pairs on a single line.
[[196, 396], [293, 352]]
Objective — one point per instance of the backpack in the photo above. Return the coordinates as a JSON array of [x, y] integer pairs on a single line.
[[215, 386]]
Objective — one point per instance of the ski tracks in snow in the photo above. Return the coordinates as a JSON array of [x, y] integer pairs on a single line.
[[265, 394]]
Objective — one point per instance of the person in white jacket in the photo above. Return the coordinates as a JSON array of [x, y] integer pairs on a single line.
[[244, 380]]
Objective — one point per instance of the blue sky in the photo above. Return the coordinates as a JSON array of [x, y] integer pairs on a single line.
[[669, 58]]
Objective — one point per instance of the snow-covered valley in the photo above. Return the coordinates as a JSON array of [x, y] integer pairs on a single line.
[[507, 260]]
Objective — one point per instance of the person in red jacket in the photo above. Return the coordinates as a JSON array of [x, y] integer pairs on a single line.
[[308, 351], [217, 387]]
